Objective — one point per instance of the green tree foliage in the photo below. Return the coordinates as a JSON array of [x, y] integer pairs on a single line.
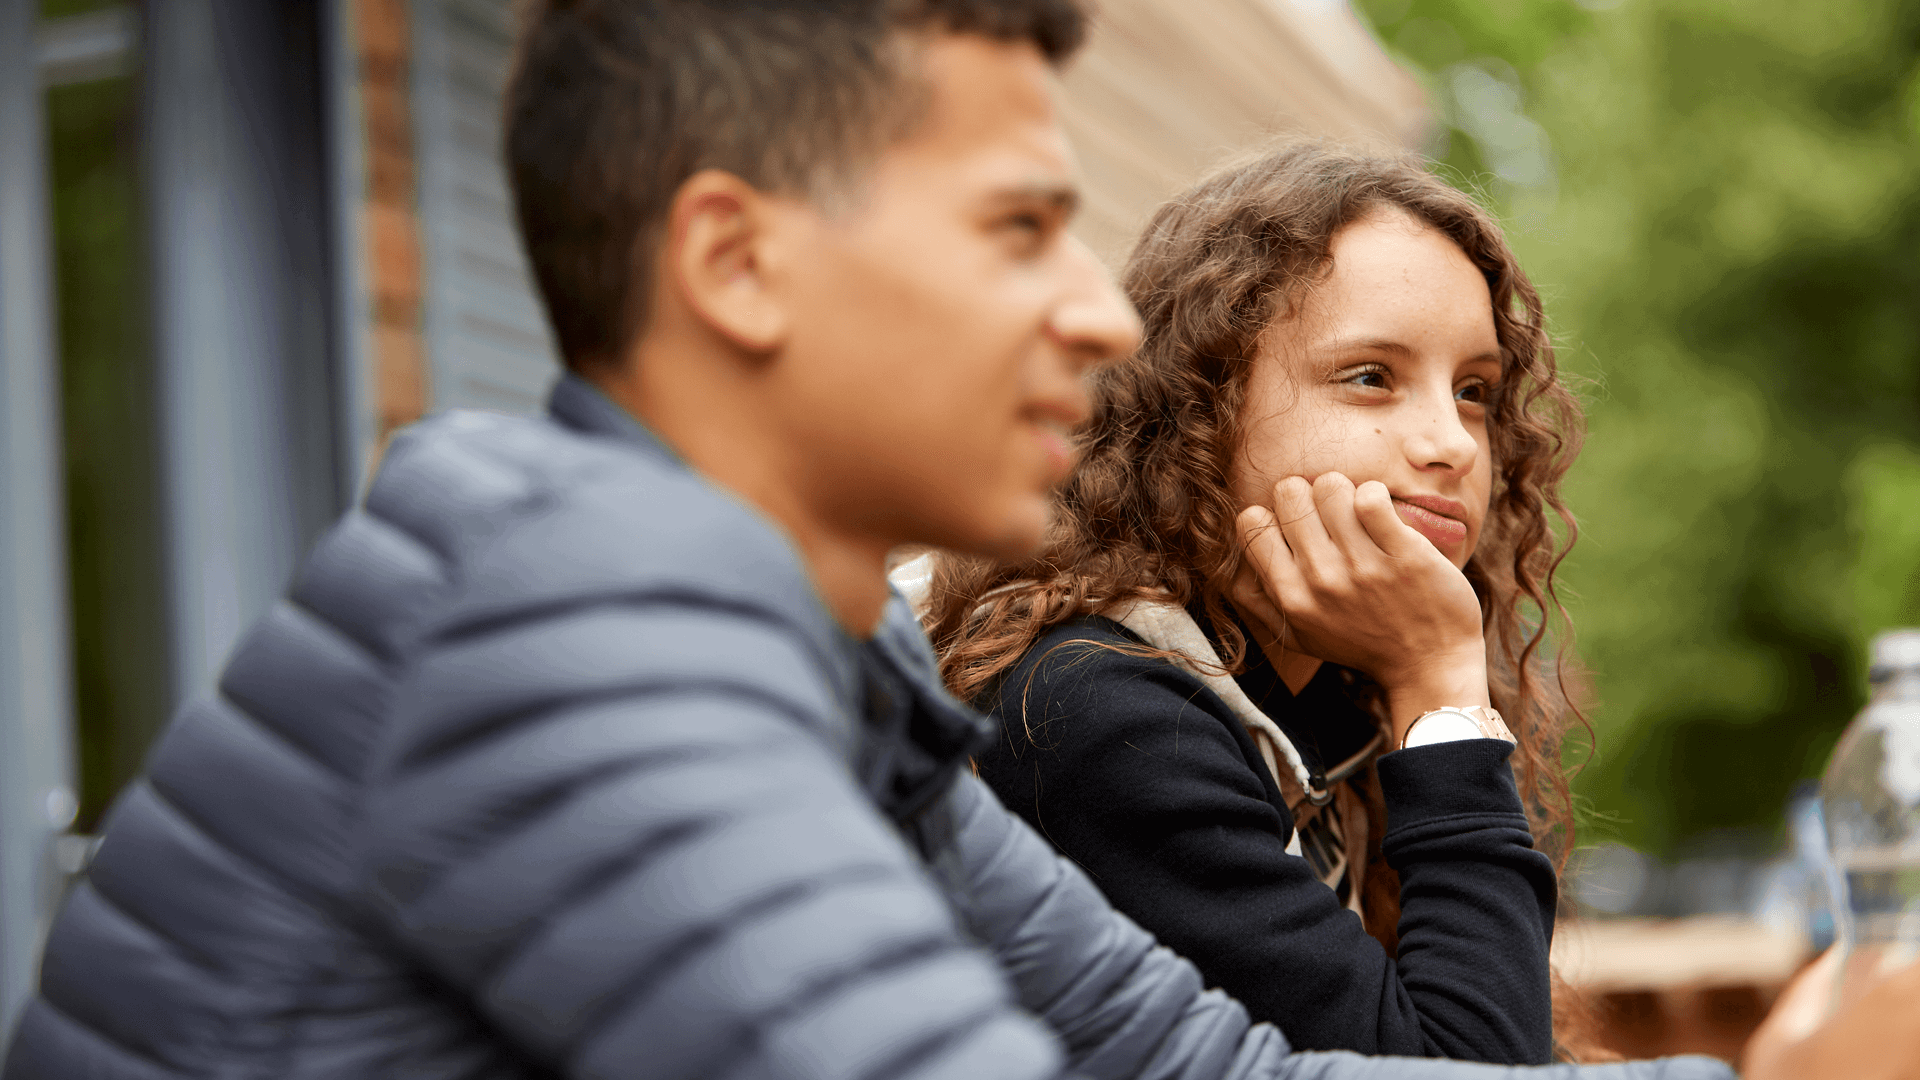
[[1720, 200]]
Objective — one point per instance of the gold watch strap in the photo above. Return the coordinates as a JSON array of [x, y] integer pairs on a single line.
[[1489, 721]]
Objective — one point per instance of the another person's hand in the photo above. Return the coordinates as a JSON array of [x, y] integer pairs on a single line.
[[1874, 1037], [1333, 572]]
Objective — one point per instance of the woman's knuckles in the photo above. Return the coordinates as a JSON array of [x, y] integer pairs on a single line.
[[1334, 581]]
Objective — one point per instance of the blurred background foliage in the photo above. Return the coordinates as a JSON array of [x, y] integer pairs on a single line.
[[1720, 201], [111, 447]]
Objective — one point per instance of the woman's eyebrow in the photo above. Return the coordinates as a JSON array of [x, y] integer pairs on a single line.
[[1386, 345], [1395, 348]]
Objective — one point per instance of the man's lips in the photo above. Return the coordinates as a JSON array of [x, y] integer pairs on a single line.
[[1057, 446], [1053, 420], [1442, 521]]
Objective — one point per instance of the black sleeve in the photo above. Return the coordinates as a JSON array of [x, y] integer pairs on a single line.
[[1132, 768]]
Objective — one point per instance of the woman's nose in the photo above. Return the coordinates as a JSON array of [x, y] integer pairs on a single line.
[[1440, 439]]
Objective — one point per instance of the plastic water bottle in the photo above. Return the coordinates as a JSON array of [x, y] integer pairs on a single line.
[[1871, 800]]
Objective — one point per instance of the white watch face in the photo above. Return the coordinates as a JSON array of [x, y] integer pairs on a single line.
[[1443, 725]]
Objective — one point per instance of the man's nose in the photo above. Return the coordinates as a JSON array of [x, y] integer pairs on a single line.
[[1095, 323]]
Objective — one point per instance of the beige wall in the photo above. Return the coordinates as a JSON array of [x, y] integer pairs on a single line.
[[1168, 88]]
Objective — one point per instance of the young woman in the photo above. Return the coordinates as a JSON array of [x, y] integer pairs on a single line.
[[1312, 524]]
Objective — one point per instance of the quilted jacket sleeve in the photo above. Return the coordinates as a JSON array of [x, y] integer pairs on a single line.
[[639, 856], [1348, 1066]]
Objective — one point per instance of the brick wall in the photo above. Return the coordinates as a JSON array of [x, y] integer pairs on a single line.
[[388, 219]]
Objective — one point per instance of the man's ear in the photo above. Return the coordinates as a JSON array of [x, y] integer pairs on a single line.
[[717, 255]]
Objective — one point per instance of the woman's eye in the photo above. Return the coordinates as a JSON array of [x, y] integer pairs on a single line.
[[1475, 392], [1372, 378]]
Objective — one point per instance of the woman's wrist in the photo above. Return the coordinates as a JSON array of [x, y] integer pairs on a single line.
[[1457, 682]]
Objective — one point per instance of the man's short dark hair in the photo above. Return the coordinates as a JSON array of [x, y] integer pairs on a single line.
[[615, 103]]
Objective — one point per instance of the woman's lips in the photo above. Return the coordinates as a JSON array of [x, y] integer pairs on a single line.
[[1426, 515]]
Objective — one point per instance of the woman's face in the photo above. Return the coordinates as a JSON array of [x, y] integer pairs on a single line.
[[1384, 374]]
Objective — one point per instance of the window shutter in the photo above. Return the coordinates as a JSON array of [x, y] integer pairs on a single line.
[[487, 339]]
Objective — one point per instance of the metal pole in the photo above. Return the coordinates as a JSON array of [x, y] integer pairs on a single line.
[[347, 161], [243, 313], [36, 692]]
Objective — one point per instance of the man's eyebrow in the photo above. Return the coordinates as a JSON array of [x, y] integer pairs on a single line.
[[1063, 198]]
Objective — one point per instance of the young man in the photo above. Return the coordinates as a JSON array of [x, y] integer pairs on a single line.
[[595, 745]]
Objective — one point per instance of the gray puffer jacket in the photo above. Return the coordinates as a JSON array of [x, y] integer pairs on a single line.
[[553, 764]]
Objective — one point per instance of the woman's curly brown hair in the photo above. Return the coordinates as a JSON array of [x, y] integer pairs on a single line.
[[1148, 511]]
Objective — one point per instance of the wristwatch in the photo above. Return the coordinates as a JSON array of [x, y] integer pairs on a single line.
[[1456, 722]]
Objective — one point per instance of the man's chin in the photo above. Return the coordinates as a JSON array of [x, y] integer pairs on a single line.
[[1016, 537]]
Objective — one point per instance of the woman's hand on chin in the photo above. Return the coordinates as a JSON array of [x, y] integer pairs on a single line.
[[1333, 572]]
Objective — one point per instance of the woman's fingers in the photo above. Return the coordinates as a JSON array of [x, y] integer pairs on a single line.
[[1250, 599], [1373, 509], [1299, 516], [1271, 559], [1267, 575], [1268, 553], [1362, 521], [1333, 497]]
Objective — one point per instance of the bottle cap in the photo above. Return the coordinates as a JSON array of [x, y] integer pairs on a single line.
[[1894, 651]]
